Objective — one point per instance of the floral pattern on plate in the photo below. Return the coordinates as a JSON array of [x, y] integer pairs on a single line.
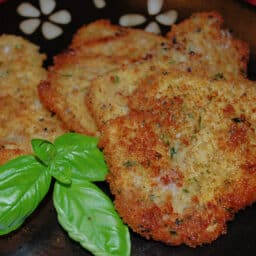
[[154, 8], [49, 28]]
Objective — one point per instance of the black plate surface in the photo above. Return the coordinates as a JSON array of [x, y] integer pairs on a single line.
[[41, 235]]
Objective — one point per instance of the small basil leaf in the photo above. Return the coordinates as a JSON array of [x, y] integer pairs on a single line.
[[23, 184], [89, 217], [76, 139], [44, 150], [60, 169], [82, 154]]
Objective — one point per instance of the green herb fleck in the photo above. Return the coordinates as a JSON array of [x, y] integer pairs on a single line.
[[171, 61], [165, 139], [195, 179], [190, 115], [199, 124], [67, 75], [129, 163], [193, 137], [218, 76], [152, 197], [18, 46], [173, 151], [4, 73], [185, 190], [116, 79]]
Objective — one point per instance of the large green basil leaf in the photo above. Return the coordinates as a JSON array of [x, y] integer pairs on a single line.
[[23, 184], [44, 150], [89, 217], [82, 154]]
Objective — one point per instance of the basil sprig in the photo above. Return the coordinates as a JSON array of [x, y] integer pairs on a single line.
[[83, 210]]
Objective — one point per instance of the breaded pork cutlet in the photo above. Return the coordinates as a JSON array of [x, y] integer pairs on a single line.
[[67, 82], [109, 48], [107, 97], [198, 45], [22, 116], [19, 62], [201, 44], [182, 162]]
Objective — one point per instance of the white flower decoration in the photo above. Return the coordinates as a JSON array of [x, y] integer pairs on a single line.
[[99, 3], [154, 7], [49, 28]]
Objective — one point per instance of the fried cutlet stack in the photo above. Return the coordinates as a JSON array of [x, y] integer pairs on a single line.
[[176, 119], [202, 47], [96, 49], [22, 116], [198, 45]]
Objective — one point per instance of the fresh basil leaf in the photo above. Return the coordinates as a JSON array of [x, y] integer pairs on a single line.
[[24, 182], [89, 217], [76, 139], [60, 169], [44, 150], [82, 154]]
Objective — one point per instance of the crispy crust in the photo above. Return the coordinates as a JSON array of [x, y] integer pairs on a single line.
[[116, 41], [67, 82], [105, 39], [107, 95], [98, 31], [201, 38], [8, 154], [182, 163], [22, 116]]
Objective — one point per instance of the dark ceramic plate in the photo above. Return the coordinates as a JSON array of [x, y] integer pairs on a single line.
[[41, 234]]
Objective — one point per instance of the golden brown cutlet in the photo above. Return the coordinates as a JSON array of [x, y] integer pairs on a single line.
[[96, 49], [22, 116], [67, 82], [20, 66], [182, 161], [115, 41], [107, 95], [201, 44]]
